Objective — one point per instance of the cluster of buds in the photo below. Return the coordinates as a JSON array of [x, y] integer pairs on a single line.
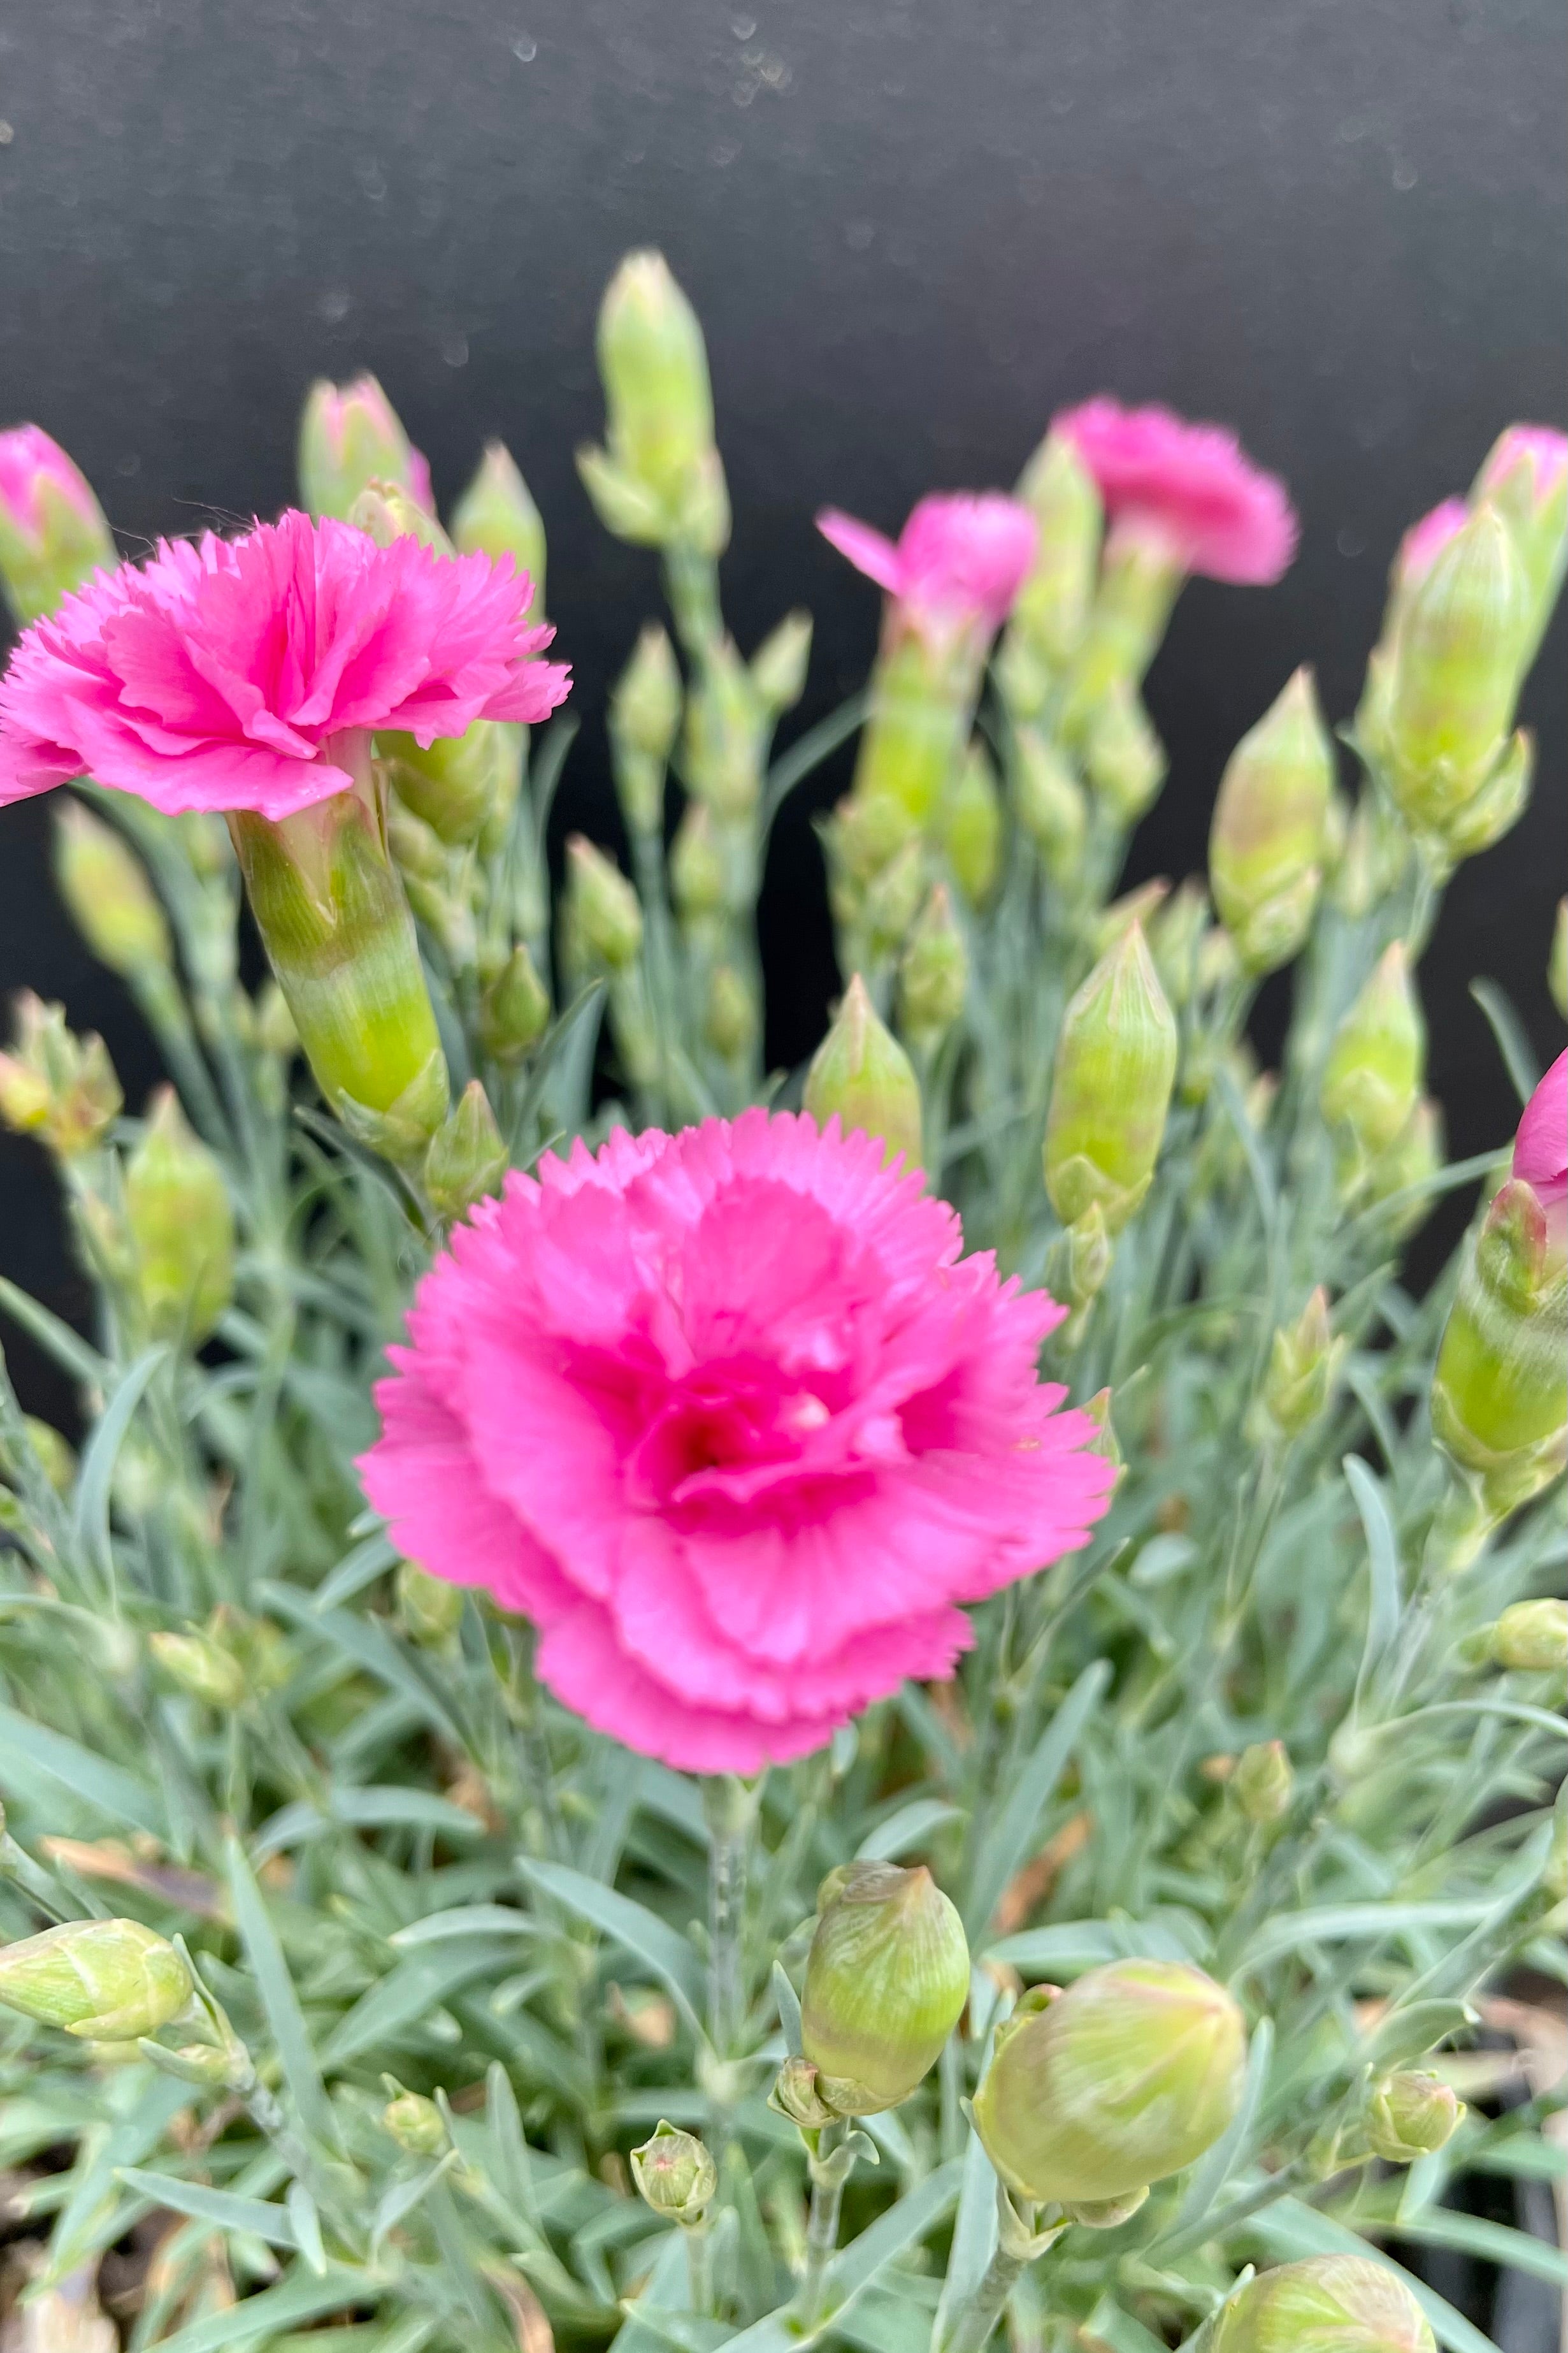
[[1531, 1637], [55, 1085], [862, 1076], [887, 1978], [1093, 2094], [1344, 2304], [659, 482]]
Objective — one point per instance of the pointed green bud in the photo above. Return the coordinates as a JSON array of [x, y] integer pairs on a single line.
[[515, 1010], [1457, 666], [1115, 1066], [730, 1022], [103, 1980], [1126, 2077], [456, 782], [1139, 580], [1138, 906], [1330, 2304], [56, 1085], [1053, 606], [1176, 930], [1495, 806], [1263, 1782], [697, 881], [1499, 1396], [934, 974], [1531, 1637], [862, 1075], [1267, 844], [1525, 478], [1123, 759], [1303, 1366], [429, 1609], [623, 505], [970, 827], [675, 2175], [1077, 1265], [886, 1981], [468, 1158], [778, 667], [867, 832], [1557, 961], [105, 885], [724, 727], [386, 512], [1416, 1154], [181, 1226], [644, 712], [200, 1667], [892, 900], [1050, 805], [662, 472], [350, 435], [1372, 1080], [1411, 2115], [602, 918], [496, 517], [53, 536], [417, 2125]]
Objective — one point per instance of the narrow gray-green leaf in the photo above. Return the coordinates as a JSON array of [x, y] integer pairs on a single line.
[[278, 1998], [1333, 1923], [399, 2201], [1382, 1567], [307, 2226], [221, 2208], [423, 1982], [907, 1829], [1513, 1044], [356, 1569], [919, 2210], [300, 2297], [651, 1939], [788, 2001], [1008, 1842], [974, 2237], [465, 1920], [28, 1749], [102, 1451]]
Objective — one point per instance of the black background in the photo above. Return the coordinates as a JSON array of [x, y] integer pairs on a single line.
[[912, 230]]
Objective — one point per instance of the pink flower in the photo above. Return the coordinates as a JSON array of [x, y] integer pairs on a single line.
[[1192, 484], [1541, 1147], [1424, 541], [959, 561], [727, 1415], [29, 459], [216, 676], [1543, 450]]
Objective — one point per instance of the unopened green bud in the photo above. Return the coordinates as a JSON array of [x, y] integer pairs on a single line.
[[1115, 1066], [1457, 666], [1176, 933], [1557, 962], [868, 831], [970, 825], [1263, 1782], [675, 2175], [603, 918], [644, 712], [1123, 759], [53, 537], [1267, 843], [1495, 806], [1126, 2077], [862, 1075], [1303, 1366], [386, 512], [892, 900], [1050, 804], [1525, 478], [1499, 1396], [886, 1981], [778, 667], [514, 1009], [429, 1609], [1330, 2304], [1079, 1263], [934, 974], [105, 887], [1372, 1080], [1531, 1637], [1138, 906], [1053, 606], [496, 517], [350, 435], [56, 1085], [181, 1226], [729, 1017], [200, 1667], [417, 2125], [724, 720], [468, 1158], [660, 481], [697, 865], [454, 783], [1411, 2115], [1140, 579], [103, 1980], [1416, 1154]]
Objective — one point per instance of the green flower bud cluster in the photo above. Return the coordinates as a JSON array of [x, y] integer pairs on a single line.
[[429, 1609], [968, 827], [1330, 2304], [102, 1980], [415, 2123], [1137, 584], [1270, 841], [659, 482], [1050, 805], [862, 1075], [779, 665], [886, 1981], [1093, 2094], [1499, 1396], [515, 1010], [55, 1085], [226, 1661], [731, 1016], [1123, 759], [1263, 1783], [726, 725]]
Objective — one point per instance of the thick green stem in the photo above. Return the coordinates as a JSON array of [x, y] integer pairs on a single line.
[[972, 2325], [827, 2179], [728, 1807]]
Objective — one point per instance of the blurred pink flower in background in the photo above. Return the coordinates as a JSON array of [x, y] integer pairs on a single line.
[[1192, 485], [216, 675], [29, 459], [1424, 541], [959, 561], [1541, 1147], [1539, 446], [729, 1417]]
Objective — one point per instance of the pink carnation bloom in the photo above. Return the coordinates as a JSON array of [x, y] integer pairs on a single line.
[[28, 458], [1424, 541], [1194, 485], [729, 1417], [959, 561], [1539, 447], [1541, 1147], [217, 676]]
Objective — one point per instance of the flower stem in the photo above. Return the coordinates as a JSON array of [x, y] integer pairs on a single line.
[[698, 2239], [827, 2179], [973, 2321], [728, 1807]]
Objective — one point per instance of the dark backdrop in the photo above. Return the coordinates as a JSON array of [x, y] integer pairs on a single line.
[[912, 228]]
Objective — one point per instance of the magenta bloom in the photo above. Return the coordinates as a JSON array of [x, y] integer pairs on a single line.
[[29, 459], [217, 676], [1192, 485], [1424, 541], [1541, 1147], [959, 561], [729, 1417]]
